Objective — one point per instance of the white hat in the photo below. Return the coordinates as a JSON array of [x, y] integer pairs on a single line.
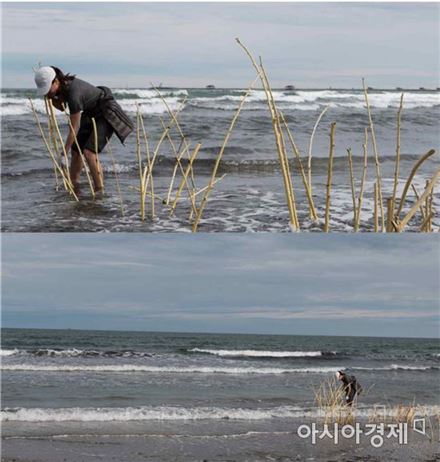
[[43, 79]]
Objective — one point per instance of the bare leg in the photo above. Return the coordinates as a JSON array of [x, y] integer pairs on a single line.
[[92, 162], [76, 166]]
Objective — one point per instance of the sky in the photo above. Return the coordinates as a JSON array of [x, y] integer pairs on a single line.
[[371, 285], [309, 45]]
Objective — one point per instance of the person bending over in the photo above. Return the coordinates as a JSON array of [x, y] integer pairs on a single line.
[[350, 386], [84, 101]]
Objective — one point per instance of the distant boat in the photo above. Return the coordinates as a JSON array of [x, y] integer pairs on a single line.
[[289, 88], [210, 87], [399, 88], [370, 88], [422, 88]]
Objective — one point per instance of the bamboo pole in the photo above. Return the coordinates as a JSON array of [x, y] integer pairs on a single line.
[[364, 176], [86, 167], [275, 125], [148, 170], [376, 159], [148, 158], [282, 152], [183, 182], [329, 178], [67, 182], [173, 176], [428, 207], [296, 226], [420, 201], [424, 227], [422, 211], [139, 159], [52, 139], [390, 215], [98, 162], [309, 157], [118, 188], [397, 166], [182, 171], [313, 213], [219, 158], [178, 127], [353, 194], [376, 218], [410, 178]]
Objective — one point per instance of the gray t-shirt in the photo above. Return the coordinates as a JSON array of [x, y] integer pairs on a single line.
[[82, 96]]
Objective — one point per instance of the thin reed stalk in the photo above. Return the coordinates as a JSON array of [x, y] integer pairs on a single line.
[[329, 178], [390, 215], [422, 210], [397, 165], [309, 156], [118, 187], [420, 201], [84, 161], [364, 176], [98, 162], [353, 194], [376, 159], [67, 181], [410, 179], [282, 151], [179, 129], [148, 158], [313, 213], [182, 171], [202, 205], [147, 175], [425, 226], [184, 182], [52, 139], [139, 160], [173, 176], [376, 217]]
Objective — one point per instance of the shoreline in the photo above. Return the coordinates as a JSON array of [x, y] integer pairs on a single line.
[[264, 445]]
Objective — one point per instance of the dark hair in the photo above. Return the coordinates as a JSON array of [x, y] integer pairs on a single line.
[[64, 79]]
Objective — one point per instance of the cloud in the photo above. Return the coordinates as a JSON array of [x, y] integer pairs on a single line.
[[152, 279], [188, 44]]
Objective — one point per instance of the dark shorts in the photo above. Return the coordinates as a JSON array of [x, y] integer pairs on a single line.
[[86, 136]]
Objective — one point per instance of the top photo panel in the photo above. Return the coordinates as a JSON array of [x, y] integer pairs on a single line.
[[220, 117]]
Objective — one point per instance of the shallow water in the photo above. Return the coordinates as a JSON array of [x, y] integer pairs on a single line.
[[251, 196]]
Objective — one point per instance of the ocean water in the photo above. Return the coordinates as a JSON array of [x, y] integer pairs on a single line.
[[251, 195], [60, 381]]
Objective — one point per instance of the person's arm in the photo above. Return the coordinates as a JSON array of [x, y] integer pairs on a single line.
[[75, 120]]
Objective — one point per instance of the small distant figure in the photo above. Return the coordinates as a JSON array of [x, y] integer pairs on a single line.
[[350, 385]]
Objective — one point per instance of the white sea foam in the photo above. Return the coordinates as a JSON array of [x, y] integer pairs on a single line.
[[301, 100], [161, 413], [164, 369], [9, 352], [260, 353]]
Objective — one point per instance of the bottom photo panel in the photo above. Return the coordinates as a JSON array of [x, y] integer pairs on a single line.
[[133, 347]]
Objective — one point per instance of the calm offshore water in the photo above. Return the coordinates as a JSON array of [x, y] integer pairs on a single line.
[[251, 196], [94, 379]]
